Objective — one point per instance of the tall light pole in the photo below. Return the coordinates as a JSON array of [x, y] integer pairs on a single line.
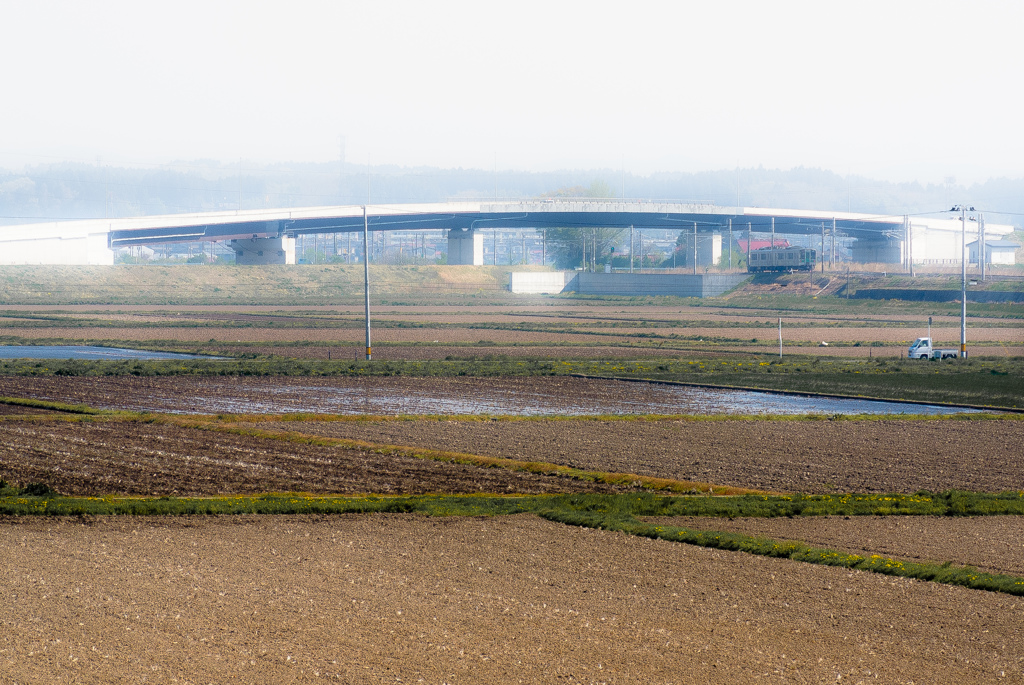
[[963, 276]]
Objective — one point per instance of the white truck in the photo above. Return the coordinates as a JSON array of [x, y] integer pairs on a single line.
[[922, 349]]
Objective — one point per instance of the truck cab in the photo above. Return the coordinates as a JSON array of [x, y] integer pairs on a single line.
[[922, 349]]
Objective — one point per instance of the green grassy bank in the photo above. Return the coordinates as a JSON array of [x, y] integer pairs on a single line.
[[608, 512]]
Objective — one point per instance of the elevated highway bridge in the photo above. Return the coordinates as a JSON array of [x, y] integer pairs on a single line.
[[267, 236]]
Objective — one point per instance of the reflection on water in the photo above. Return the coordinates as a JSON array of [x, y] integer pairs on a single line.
[[87, 352], [656, 399]]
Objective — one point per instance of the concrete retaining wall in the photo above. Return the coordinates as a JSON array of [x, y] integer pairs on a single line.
[[679, 285], [539, 282]]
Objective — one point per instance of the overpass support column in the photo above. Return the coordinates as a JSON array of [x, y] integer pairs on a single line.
[[253, 251], [881, 249], [465, 247]]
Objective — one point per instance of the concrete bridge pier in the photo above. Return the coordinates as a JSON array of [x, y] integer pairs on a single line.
[[465, 247], [883, 249], [259, 251], [708, 250]]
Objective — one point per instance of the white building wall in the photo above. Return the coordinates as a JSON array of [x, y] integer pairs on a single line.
[[1002, 256], [995, 254], [80, 242]]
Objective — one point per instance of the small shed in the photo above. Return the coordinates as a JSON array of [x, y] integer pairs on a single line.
[[996, 251]]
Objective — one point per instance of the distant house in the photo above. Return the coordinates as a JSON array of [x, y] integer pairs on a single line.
[[996, 251]]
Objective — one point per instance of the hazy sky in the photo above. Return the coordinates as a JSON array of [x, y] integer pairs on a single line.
[[898, 90]]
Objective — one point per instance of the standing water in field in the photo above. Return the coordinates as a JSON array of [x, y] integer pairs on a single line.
[[404, 395], [88, 352], [618, 398]]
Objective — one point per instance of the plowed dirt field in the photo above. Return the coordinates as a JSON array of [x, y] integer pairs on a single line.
[[386, 599], [86, 458], [890, 455]]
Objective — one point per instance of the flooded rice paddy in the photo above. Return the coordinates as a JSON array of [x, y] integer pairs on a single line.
[[404, 395], [597, 398], [91, 352]]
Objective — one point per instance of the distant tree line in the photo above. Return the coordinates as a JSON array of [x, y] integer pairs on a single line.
[[72, 191]]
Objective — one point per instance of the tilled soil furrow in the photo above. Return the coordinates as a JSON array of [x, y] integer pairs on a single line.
[[790, 456], [114, 457]]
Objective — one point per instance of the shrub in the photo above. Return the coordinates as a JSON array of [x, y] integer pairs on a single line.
[[38, 490]]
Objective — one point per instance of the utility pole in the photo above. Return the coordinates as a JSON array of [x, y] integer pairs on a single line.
[[982, 251], [963, 209], [748, 245], [963, 282], [910, 244], [631, 249], [593, 251], [832, 260], [730, 244], [366, 279], [822, 255], [694, 248]]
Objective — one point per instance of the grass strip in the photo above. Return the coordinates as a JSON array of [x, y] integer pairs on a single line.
[[595, 510], [948, 574], [269, 504], [53, 406], [606, 512], [922, 503]]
